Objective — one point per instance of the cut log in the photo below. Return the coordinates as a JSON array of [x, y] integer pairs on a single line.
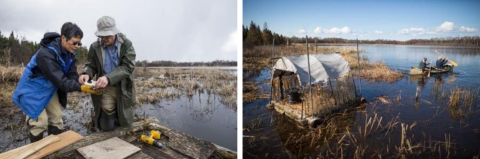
[[313, 122]]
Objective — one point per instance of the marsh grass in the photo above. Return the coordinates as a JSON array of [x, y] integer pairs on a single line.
[[151, 86], [362, 132], [156, 84], [260, 57], [6, 96], [370, 133], [10, 74], [9, 77], [326, 97], [460, 102]]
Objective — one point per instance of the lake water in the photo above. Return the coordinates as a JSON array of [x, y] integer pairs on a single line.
[[430, 112]]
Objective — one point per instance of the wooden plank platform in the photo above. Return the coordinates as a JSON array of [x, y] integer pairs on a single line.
[[308, 120], [131, 134], [196, 148]]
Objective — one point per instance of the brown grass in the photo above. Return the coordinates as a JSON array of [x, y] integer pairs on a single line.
[[9, 77], [151, 86], [259, 58], [10, 74], [166, 83], [460, 102]]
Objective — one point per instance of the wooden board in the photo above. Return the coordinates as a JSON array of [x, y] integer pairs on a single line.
[[29, 149], [111, 148], [189, 145], [66, 138]]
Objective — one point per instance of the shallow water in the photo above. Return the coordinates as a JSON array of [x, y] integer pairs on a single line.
[[431, 112], [203, 115]]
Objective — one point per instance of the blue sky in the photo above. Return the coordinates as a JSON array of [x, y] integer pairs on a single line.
[[386, 19]]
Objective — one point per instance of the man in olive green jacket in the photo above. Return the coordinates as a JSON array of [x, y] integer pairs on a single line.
[[111, 61]]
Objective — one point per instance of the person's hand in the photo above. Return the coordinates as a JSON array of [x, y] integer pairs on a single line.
[[83, 78], [89, 89], [102, 82]]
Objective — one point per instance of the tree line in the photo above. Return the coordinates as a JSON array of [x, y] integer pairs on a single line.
[[145, 63], [451, 41], [16, 51], [255, 36]]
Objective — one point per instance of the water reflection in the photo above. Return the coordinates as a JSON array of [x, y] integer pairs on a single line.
[[202, 115], [430, 116]]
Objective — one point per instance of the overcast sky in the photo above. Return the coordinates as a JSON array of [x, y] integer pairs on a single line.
[[177, 30]]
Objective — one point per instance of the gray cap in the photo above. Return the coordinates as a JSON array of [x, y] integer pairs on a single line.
[[106, 26]]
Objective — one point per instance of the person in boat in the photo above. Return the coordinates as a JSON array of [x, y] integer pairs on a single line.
[[423, 65], [441, 62]]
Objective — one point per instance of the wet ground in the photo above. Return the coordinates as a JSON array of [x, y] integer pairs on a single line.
[[203, 115], [436, 128]]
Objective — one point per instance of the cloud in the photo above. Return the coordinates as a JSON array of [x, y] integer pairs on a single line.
[[446, 27], [157, 29], [334, 30], [231, 44], [302, 31], [358, 34], [467, 29], [318, 30], [378, 32], [412, 31]]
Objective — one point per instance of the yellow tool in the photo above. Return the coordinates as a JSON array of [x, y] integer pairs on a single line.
[[149, 140], [155, 134], [152, 138]]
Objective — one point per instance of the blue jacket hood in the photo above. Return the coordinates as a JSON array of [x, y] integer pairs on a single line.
[[51, 38]]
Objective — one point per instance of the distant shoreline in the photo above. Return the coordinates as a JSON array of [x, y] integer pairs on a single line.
[[193, 67], [351, 44]]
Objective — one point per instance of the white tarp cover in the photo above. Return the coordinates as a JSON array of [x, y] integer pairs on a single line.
[[322, 67]]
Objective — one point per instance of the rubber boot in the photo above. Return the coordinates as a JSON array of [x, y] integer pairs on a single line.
[[106, 122], [54, 130], [34, 138]]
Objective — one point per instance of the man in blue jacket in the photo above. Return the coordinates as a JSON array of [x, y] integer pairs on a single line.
[[50, 74], [441, 62]]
